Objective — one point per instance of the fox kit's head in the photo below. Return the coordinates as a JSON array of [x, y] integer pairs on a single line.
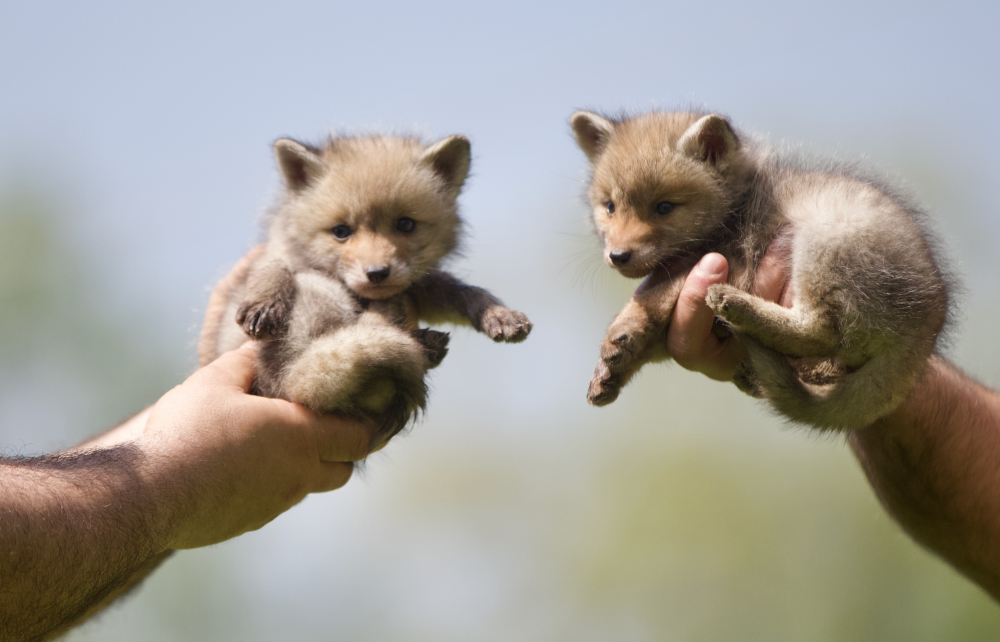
[[661, 183], [375, 211]]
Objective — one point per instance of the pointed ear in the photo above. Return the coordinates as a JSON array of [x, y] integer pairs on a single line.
[[300, 165], [592, 132], [711, 140], [449, 158]]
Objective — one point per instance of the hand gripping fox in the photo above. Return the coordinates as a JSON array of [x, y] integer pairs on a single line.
[[350, 266], [868, 297]]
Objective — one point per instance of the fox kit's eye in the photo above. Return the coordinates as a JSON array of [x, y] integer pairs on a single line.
[[665, 207], [341, 232], [406, 225], [610, 206]]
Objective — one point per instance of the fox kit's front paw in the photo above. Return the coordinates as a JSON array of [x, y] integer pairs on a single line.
[[625, 340], [604, 386], [263, 319], [621, 354], [435, 345], [506, 325]]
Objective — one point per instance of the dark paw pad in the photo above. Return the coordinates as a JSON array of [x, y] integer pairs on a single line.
[[260, 320], [746, 380], [435, 345]]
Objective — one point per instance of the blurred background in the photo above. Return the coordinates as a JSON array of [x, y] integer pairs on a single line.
[[135, 160]]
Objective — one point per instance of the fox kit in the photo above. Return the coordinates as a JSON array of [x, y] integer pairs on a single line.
[[350, 266], [868, 297]]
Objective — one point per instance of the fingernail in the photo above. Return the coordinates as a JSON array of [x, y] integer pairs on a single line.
[[712, 265]]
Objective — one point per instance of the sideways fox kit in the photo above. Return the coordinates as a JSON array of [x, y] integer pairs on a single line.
[[868, 297], [350, 266]]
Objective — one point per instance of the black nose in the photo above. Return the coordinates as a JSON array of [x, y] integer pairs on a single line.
[[619, 257], [377, 273]]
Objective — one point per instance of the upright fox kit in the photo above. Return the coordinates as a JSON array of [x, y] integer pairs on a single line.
[[868, 297], [350, 266]]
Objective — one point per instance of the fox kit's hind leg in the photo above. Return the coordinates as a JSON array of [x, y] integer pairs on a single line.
[[746, 380], [370, 371], [763, 325], [435, 345], [800, 332]]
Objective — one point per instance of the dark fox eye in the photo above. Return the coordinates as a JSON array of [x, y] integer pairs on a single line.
[[341, 232], [406, 225], [665, 207], [610, 206]]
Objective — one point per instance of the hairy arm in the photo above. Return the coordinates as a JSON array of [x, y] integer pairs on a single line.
[[935, 465], [934, 462], [208, 462], [440, 297], [75, 529]]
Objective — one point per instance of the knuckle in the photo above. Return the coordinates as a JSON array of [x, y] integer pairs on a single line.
[[340, 475]]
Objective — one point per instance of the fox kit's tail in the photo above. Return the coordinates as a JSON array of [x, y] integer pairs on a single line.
[[373, 372], [852, 400]]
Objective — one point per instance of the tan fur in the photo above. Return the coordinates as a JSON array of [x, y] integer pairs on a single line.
[[869, 299], [337, 316]]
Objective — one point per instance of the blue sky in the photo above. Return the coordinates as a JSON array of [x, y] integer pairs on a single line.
[[155, 119], [148, 126]]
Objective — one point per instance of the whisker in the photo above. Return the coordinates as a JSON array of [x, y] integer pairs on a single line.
[[570, 178]]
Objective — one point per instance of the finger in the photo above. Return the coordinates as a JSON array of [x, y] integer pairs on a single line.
[[235, 368], [771, 277], [691, 324], [339, 439], [334, 438], [331, 476]]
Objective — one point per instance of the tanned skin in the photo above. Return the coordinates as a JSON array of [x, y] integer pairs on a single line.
[[933, 462], [206, 463]]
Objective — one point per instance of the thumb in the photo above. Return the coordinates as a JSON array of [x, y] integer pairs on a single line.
[[692, 319], [234, 368]]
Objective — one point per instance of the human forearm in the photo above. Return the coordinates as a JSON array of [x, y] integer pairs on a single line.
[[125, 432], [76, 530], [935, 465]]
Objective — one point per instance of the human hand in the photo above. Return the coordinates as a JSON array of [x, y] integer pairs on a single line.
[[220, 462], [691, 340]]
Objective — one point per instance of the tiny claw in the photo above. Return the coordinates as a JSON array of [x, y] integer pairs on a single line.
[[599, 395]]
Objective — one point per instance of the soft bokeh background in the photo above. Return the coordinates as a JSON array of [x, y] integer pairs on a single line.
[[135, 158]]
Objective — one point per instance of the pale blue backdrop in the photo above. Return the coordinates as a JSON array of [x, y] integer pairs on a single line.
[[135, 159]]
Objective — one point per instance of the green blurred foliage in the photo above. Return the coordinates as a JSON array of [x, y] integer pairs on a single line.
[[83, 358], [707, 522]]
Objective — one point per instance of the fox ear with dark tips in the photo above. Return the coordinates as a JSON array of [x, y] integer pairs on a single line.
[[592, 132], [711, 140], [449, 158], [299, 164]]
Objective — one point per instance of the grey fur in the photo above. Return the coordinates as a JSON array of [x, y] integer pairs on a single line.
[[332, 338], [869, 298]]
